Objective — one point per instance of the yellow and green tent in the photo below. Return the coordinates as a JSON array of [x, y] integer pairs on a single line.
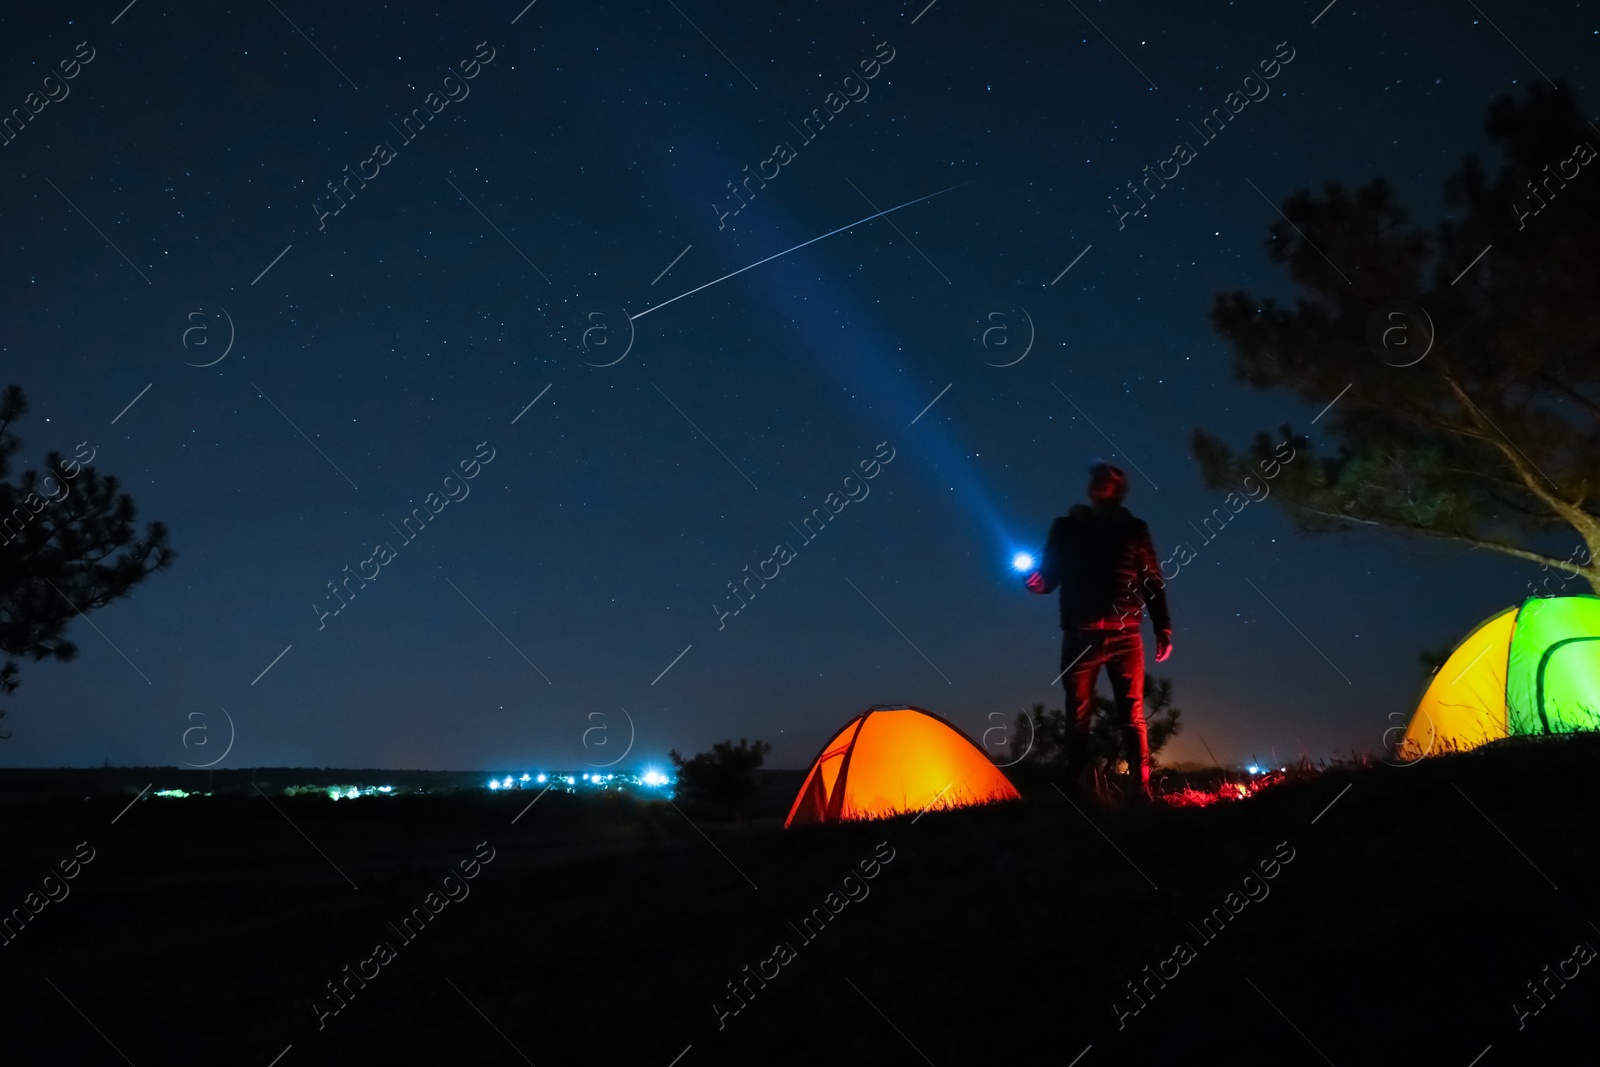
[[1533, 669]]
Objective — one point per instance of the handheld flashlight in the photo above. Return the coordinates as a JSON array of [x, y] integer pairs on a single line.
[[1022, 561]]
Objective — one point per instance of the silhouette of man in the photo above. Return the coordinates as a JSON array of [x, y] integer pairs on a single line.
[[1104, 562]]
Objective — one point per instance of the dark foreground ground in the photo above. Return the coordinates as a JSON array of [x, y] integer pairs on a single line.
[[1405, 922]]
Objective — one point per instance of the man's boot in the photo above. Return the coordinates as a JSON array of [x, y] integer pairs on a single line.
[[1138, 792]]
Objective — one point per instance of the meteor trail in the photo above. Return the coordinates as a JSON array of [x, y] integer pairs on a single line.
[[786, 251]]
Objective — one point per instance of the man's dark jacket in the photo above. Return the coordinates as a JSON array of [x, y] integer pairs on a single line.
[[1105, 564]]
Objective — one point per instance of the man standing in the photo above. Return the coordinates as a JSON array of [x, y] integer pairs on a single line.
[[1102, 559]]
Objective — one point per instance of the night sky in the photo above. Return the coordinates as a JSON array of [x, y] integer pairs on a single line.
[[390, 337]]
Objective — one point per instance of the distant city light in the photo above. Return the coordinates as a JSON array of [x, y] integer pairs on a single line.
[[347, 792], [1022, 561], [649, 782]]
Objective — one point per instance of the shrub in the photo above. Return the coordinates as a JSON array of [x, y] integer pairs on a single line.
[[722, 781], [1040, 738]]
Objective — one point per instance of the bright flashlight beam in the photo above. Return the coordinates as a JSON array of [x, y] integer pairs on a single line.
[[1022, 561], [796, 248]]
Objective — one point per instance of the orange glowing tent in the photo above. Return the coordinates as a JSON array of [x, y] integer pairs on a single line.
[[893, 759]]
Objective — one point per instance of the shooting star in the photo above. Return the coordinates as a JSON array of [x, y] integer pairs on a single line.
[[797, 247]]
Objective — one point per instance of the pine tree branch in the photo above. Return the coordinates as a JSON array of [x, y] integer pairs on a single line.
[[1589, 405], [1532, 477], [1477, 542]]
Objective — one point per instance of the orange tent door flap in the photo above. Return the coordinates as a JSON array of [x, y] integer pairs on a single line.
[[811, 805]]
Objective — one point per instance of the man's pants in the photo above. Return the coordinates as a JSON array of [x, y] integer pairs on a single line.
[[1121, 652]]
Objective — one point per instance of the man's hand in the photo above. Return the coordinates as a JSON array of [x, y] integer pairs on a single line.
[[1036, 582], [1163, 645]]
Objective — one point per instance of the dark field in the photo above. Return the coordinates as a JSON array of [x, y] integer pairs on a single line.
[[1399, 929]]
